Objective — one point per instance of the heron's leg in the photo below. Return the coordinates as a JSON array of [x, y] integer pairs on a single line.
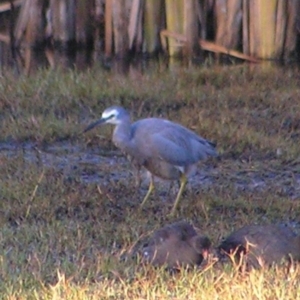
[[183, 181], [138, 178], [150, 190]]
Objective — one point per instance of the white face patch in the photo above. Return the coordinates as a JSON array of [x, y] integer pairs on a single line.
[[108, 113], [112, 115]]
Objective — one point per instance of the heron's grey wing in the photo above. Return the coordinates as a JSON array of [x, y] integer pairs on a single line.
[[201, 147], [180, 147], [169, 151], [170, 142]]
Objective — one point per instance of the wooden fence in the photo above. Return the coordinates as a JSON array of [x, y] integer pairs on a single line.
[[248, 29]]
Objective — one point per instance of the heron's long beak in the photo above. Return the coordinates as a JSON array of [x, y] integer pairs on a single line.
[[98, 122]]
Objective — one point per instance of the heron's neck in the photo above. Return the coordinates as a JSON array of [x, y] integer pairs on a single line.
[[122, 135]]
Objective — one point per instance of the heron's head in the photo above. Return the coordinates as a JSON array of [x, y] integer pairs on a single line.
[[112, 115]]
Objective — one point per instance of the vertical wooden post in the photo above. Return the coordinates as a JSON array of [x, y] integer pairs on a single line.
[[280, 28], [139, 34], [108, 28], [153, 19], [228, 22], [292, 14], [135, 12], [174, 13], [191, 31], [99, 23], [246, 34], [120, 27], [84, 21], [204, 8], [63, 13], [30, 24], [262, 25]]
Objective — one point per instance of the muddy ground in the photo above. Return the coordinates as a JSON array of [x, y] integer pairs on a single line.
[[107, 168]]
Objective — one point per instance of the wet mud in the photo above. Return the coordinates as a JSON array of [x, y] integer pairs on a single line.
[[90, 165]]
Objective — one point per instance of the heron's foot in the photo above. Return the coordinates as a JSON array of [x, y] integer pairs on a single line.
[[172, 212]]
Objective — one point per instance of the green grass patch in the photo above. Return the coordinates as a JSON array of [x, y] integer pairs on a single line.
[[63, 238]]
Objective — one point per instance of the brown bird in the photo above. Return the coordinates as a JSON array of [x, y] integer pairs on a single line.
[[176, 245], [262, 245]]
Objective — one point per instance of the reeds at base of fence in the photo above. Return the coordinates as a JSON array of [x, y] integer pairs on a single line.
[[258, 28]]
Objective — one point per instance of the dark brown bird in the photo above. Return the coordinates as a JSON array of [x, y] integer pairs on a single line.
[[176, 245], [262, 245]]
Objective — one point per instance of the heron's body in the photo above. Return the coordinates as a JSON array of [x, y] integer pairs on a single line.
[[153, 144], [166, 149]]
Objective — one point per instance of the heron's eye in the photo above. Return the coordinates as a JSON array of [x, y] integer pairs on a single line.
[[112, 116]]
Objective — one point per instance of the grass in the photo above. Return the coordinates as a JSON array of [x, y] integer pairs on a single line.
[[65, 238]]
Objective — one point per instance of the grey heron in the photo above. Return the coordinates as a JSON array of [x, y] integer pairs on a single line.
[[166, 149]]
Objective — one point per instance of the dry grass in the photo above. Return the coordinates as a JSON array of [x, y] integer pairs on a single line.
[[63, 238]]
